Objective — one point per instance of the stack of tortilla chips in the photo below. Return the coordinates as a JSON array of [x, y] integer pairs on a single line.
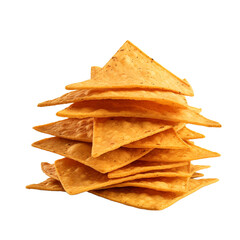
[[125, 136]]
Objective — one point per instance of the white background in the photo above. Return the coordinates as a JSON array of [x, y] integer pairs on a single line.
[[45, 45]]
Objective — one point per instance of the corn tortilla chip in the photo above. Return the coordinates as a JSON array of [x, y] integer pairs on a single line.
[[150, 199], [158, 184], [141, 166], [112, 133], [76, 129], [81, 152], [131, 108], [168, 139], [50, 185], [161, 97], [178, 155], [49, 170], [73, 128], [131, 68], [186, 133], [76, 177]]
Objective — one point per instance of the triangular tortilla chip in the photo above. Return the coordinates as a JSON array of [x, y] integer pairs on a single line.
[[150, 199], [141, 167], [186, 133], [130, 108], [73, 128], [50, 185], [49, 170], [78, 129], [112, 133], [81, 152], [131, 68], [161, 97], [168, 139], [179, 185], [76, 177], [178, 155]]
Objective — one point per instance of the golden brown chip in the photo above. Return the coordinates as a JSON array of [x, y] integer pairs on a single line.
[[131, 108], [158, 184], [73, 128], [112, 133], [161, 97], [50, 185], [141, 166], [186, 133], [168, 139], [81, 152], [178, 155], [150, 199], [49, 170], [131, 68], [77, 177]]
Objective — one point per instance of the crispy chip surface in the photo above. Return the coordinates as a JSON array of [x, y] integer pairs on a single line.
[[81, 152], [131, 68], [168, 139], [72, 128], [158, 184], [186, 133], [150, 199], [112, 133], [131, 108], [49, 170], [76, 177], [141, 166], [178, 155], [161, 97], [50, 185]]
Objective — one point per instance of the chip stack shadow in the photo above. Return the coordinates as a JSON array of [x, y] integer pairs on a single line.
[[124, 136]]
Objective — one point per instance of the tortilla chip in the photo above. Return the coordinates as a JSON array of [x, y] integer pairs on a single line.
[[73, 128], [158, 184], [50, 185], [179, 155], [81, 152], [161, 97], [168, 139], [77, 177], [131, 108], [49, 170], [150, 199], [186, 133], [197, 175], [112, 133], [141, 167], [131, 68]]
